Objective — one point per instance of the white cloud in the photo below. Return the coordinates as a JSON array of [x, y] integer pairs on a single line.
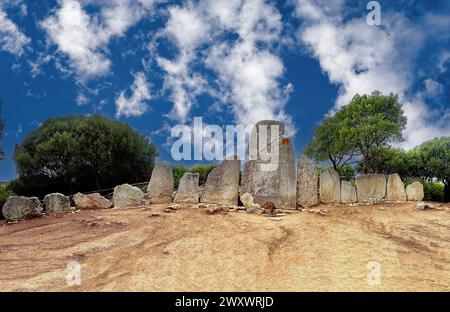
[[360, 58], [135, 104], [235, 41], [81, 100], [84, 38], [12, 40]]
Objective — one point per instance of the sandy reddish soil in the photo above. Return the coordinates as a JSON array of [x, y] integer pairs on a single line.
[[189, 250]]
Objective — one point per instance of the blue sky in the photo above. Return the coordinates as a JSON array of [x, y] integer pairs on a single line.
[[155, 64]]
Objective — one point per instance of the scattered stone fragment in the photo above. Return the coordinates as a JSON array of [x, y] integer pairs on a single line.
[[126, 195], [307, 183], [56, 203], [174, 207], [414, 191], [269, 208], [247, 200], [188, 189], [160, 189], [91, 201], [19, 208], [425, 206], [322, 212]]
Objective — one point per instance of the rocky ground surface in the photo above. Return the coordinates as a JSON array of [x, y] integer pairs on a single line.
[[152, 248]]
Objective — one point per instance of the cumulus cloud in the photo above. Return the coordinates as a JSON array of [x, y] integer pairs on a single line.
[[234, 40], [12, 40], [135, 104], [361, 58], [84, 38]]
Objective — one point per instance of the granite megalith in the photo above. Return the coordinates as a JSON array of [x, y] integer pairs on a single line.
[[307, 183], [395, 189], [270, 175], [222, 184], [160, 188], [330, 187], [348, 193], [188, 189], [371, 188], [414, 191], [91, 201], [20, 208], [56, 203], [126, 195]]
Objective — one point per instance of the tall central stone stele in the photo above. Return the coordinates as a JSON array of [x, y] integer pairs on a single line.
[[269, 175]]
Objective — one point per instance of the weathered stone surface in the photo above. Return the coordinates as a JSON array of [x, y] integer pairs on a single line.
[[160, 188], [91, 201], [19, 208], [371, 188], [307, 183], [222, 184], [56, 203], [188, 189], [395, 189], [271, 177], [247, 200], [126, 195], [348, 193], [330, 187], [414, 191]]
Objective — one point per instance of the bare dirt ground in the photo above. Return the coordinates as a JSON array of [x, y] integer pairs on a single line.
[[189, 250]]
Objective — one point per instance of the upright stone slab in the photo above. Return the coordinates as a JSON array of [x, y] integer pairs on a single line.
[[160, 188], [395, 189], [270, 174], [19, 208], [371, 188], [307, 183], [414, 191], [188, 189], [330, 187], [222, 184], [56, 203], [126, 195], [348, 193]]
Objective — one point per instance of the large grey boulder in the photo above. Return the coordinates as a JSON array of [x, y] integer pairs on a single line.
[[160, 188], [222, 184], [414, 191], [19, 208], [348, 193], [371, 188], [188, 189], [307, 183], [91, 201], [395, 189], [330, 187], [270, 178], [126, 195], [56, 203]]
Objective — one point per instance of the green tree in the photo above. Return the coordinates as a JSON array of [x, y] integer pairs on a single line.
[[434, 162], [358, 130], [79, 153]]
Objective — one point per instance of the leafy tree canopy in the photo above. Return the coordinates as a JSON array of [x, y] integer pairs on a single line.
[[80, 153], [358, 130]]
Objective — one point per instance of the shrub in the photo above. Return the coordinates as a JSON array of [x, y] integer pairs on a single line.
[[79, 153]]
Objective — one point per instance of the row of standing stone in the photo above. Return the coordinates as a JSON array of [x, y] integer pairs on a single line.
[[371, 188]]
